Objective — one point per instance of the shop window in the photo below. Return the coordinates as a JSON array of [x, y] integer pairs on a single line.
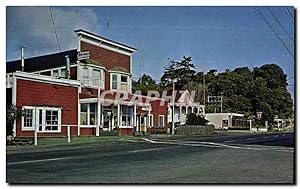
[[88, 114], [47, 119], [83, 114], [28, 118]]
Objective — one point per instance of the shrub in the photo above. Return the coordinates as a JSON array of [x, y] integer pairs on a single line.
[[193, 119], [191, 130], [12, 113], [109, 133]]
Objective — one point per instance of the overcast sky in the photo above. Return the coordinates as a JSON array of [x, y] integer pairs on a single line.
[[215, 37]]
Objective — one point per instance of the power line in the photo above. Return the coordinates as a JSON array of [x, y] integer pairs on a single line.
[[54, 29], [290, 13], [270, 26], [279, 23]]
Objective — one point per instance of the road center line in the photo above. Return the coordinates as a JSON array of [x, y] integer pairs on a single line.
[[36, 161], [215, 145]]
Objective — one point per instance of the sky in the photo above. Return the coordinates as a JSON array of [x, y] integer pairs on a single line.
[[215, 37]]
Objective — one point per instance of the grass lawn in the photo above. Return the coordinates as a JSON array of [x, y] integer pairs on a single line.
[[82, 139]]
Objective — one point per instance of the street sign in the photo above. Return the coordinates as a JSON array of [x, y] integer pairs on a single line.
[[258, 115], [84, 55]]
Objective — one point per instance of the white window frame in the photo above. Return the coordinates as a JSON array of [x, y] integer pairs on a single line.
[[35, 119], [89, 78], [151, 118], [119, 82], [44, 119], [111, 81], [88, 115], [158, 125]]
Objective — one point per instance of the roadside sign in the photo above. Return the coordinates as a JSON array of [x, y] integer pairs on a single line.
[[258, 115]]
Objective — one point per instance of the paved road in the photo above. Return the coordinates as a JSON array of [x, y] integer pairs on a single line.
[[224, 158]]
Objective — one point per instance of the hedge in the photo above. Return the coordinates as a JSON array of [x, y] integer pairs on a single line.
[[191, 130]]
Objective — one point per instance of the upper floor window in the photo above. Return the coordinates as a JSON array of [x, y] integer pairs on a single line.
[[120, 82], [91, 76], [114, 81]]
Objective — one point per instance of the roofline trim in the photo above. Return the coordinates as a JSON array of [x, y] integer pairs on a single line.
[[31, 76], [109, 41]]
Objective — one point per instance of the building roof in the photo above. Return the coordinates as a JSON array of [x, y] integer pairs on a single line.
[[103, 38], [42, 62]]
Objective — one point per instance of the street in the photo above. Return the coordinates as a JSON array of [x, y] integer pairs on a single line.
[[224, 158]]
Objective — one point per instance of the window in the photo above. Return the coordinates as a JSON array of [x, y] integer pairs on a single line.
[[114, 81], [123, 78], [51, 120], [93, 114], [124, 84], [83, 114], [161, 120], [120, 82], [127, 115], [96, 75], [88, 114], [151, 120], [47, 119], [28, 118]]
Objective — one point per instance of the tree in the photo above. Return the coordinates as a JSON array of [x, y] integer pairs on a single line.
[[147, 84], [193, 119], [183, 71]]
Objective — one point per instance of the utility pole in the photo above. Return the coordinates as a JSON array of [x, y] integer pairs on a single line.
[[141, 62]]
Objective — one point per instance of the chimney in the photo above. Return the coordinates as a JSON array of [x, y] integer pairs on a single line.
[[22, 57], [68, 66]]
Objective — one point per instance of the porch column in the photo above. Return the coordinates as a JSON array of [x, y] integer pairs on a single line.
[[186, 110], [134, 116], [192, 109], [98, 118], [180, 112], [149, 111], [198, 110], [102, 120], [118, 116]]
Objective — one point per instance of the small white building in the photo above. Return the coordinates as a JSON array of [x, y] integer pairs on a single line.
[[223, 120], [184, 105]]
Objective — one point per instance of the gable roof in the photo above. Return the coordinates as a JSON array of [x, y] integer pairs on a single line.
[[42, 62], [180, 96], [98, 37]]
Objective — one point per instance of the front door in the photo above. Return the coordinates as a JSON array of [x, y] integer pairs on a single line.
[[143, 120]]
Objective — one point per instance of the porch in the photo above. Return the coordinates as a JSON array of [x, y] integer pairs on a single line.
[[108, 115]]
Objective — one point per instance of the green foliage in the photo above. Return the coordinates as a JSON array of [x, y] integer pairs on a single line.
[[109, 133], [183, 71], [246, 91], [12, 113], [193, 119], [146, 84]]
